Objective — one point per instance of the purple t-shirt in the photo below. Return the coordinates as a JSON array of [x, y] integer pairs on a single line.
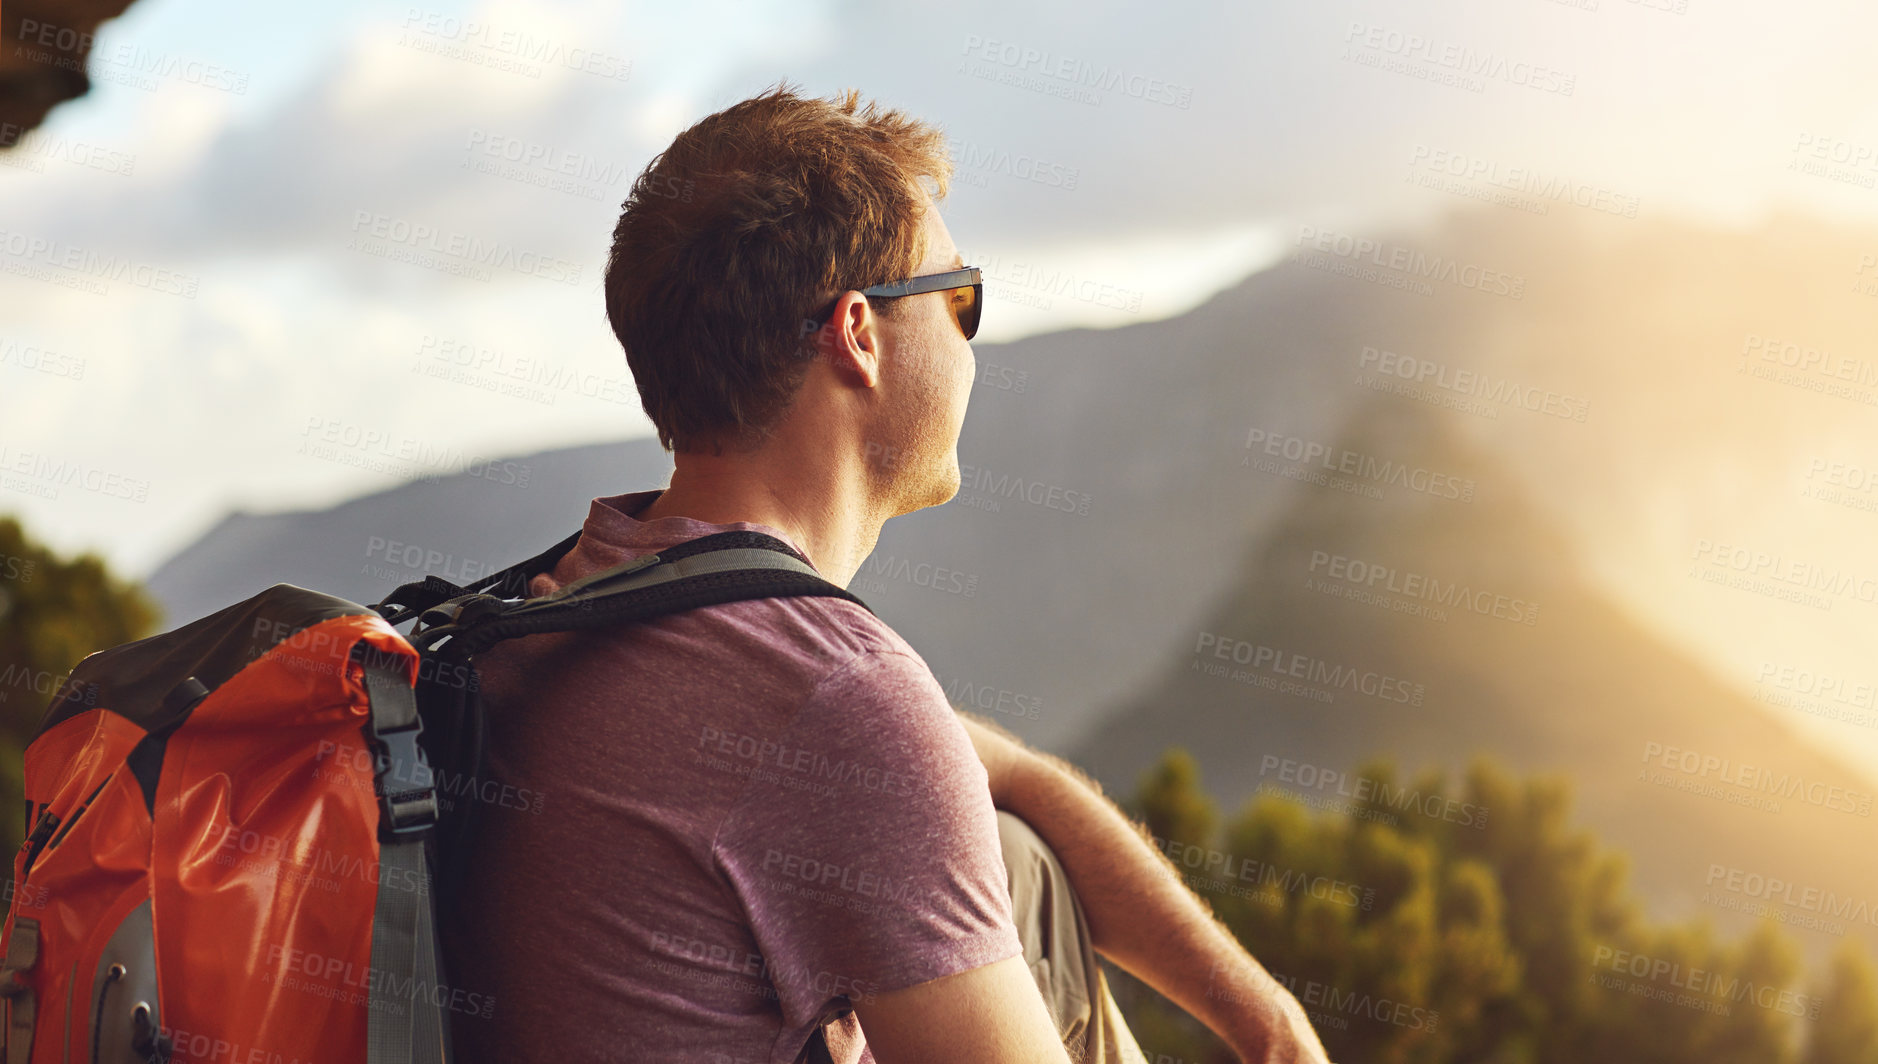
[[703, 835]]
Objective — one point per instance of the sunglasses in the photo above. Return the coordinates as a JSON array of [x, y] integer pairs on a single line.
[[967, 287]]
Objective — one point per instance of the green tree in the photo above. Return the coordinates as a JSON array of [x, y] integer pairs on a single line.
[[1171, 802], [53, 612], [1422, 924], [1846, 1030]]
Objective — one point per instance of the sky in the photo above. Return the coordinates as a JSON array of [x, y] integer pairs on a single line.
[[240, 243], [243, 190]]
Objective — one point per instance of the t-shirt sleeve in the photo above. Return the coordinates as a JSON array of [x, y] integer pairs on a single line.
[[865, 849]]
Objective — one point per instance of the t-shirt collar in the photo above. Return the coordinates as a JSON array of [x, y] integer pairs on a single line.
[[611, 520]]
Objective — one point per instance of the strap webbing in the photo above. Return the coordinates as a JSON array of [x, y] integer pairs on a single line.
[[404, 1026], [409, 600], [624, 605], [666, 570]]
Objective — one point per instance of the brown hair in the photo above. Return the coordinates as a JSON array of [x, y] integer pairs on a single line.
[[751, 221]]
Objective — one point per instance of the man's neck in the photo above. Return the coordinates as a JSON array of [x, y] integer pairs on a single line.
[[823, 510]]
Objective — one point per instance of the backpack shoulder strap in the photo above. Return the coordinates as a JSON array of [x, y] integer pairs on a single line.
[[406, 1024], [712, 570], [408, 600]]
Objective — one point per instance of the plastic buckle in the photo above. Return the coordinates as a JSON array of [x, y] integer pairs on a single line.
[[398, 760], [22, 955], [458, 611]]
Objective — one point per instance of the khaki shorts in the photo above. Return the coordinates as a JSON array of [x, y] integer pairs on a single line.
[[1057, 947]]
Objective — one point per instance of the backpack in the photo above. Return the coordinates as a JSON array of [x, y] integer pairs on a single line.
[[242, 833]]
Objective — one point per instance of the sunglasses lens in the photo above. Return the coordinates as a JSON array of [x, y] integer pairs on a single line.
[[965, 309]]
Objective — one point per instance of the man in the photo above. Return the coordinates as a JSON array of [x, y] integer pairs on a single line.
[[762, 832]]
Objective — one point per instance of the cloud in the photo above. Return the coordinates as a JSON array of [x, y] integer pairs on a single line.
[[1155, 152]]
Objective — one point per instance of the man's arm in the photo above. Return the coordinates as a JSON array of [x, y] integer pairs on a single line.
[[1141, 915], [992, 1014]]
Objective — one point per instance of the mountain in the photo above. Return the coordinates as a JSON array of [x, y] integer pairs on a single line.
[[456, 526], [1115, 434], [1432, 625], [1110, 505]]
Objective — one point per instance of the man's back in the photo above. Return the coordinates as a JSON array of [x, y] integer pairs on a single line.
[[699, 836]]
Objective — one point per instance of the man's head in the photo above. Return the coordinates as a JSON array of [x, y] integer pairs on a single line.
[[734, 286]]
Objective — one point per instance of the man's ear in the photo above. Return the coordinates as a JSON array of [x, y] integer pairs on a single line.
[[850, 341]]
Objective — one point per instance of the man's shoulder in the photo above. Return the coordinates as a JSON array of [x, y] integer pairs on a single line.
[[837, 633], [853, 670]]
